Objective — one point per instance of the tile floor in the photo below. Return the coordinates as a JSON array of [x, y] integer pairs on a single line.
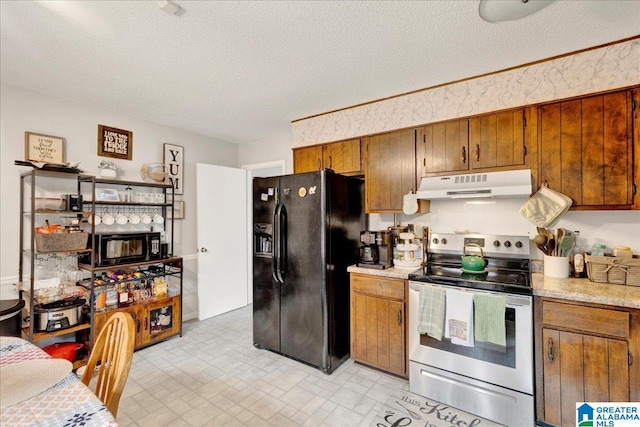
[[213, 376]]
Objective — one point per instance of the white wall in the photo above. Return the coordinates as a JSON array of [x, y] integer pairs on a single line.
[[22, 110], [274, 148]]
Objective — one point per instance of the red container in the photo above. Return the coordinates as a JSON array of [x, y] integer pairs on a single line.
[[63, 350]]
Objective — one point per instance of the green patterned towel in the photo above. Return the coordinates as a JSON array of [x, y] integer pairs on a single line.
[[489, 318], [431, 312]]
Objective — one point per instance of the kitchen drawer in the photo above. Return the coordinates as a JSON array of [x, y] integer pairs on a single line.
[[590, 320], [383, 287]]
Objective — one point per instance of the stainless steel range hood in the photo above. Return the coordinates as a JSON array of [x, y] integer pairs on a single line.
[[489, 184]]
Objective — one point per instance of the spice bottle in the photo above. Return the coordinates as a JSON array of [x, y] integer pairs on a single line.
[[579, 267]]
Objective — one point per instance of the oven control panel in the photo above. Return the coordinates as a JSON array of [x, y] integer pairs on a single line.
[[491, 244]]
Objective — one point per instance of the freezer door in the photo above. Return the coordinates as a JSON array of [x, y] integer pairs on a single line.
[[303, 297], [266, 291]]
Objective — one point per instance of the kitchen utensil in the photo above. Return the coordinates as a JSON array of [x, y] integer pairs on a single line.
[[565, 245], [551, 246], [473, 262], [64, 350], [559, 236], [540, 241]]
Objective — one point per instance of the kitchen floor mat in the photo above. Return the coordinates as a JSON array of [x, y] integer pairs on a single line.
[[407, 409]]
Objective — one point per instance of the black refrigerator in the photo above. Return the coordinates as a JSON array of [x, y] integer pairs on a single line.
[[306, 231]]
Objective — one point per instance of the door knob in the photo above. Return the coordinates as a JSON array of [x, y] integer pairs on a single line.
[[203, 250]]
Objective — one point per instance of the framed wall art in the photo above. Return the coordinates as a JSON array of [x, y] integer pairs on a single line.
[[43, 148], [115, 143], [174, 159], [178, 210]]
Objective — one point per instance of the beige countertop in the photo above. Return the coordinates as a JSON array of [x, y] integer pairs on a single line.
[[584, 290], [394, 272]]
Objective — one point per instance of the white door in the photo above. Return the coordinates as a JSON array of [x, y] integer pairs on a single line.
[[222, 239]]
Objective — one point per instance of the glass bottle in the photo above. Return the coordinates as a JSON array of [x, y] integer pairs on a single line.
[[128, 194], [579, 266]]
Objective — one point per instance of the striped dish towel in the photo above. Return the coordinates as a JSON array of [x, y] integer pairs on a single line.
[[489, 318], [431, 312]]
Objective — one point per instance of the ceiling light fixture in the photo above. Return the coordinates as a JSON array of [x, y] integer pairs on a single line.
[[169, 7], [510, 10]]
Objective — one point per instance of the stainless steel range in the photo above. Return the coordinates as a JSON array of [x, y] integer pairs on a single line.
[[491, 380]]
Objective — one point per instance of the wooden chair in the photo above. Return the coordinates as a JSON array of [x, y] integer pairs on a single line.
[[113, 351]]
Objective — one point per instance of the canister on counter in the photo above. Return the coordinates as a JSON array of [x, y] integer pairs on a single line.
[[622, 252], [598, 249]]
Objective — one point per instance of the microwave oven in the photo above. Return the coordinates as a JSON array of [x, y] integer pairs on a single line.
[[123, 248]]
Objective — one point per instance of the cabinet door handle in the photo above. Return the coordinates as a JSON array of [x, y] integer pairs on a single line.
[[137, 325], [464, 154], [551, 355], [477, 152], [146, 323], [330, 162], [399, 317]]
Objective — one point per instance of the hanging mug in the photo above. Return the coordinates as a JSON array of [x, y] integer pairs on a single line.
[[108, 219]]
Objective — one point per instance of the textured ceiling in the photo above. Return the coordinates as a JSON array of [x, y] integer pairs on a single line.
[[242, 71]]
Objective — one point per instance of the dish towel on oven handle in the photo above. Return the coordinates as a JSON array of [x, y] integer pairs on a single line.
[[489, 319], [458, 323], [431, 312]]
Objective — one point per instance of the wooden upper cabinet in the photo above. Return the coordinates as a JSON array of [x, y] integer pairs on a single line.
[[307, 159], [497, 140], [389, 170], [443, 147], [586, 149], [342, 157]]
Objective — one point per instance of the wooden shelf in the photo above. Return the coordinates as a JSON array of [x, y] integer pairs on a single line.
[[39, 336]]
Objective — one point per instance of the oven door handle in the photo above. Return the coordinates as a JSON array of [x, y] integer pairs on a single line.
[[512, 301]]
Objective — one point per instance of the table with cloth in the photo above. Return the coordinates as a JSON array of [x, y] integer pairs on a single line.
[[67, 403]]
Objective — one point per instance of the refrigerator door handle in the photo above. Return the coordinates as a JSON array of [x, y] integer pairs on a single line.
[[282, 243], [276, 245]]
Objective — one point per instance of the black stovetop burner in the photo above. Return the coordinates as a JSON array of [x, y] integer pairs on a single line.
[[507, 275]]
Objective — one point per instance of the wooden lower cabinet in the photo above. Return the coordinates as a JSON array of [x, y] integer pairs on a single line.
[[378, 327], [154, 320], [584, 353]]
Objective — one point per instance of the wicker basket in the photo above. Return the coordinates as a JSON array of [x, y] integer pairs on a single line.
[[607, 269], [58, 242]]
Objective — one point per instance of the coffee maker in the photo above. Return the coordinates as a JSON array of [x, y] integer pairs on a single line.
[[376, 250]]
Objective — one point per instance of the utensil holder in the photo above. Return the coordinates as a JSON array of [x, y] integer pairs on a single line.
[[556, 266]]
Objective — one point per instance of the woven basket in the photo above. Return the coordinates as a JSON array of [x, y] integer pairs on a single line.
[[57, 242], [619, 271]]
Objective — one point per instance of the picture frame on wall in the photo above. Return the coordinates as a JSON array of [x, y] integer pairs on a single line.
[[178, 210], [115, 143], [174, 160], [44, 148]]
